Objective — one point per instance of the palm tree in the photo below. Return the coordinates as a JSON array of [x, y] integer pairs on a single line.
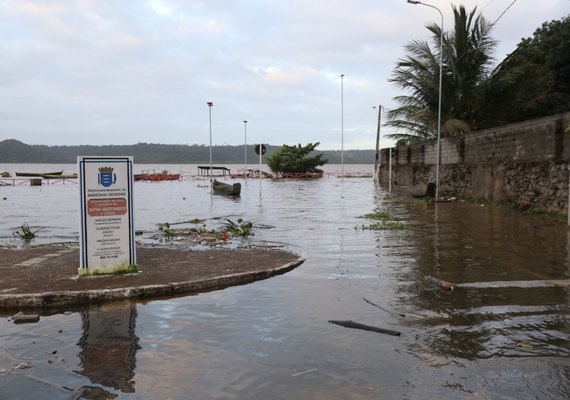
[[466, 60]]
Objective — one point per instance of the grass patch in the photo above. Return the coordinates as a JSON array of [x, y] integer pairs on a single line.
[[478, 200], [121, 269], [540, 212], [537, 212]]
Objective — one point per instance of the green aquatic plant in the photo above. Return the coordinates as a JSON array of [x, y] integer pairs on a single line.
[[26, 232], [427, 200], [540, 212], [165, 228], [383, 222], [239, 228], [5, 174], [379, 216], [203, 230], [381, 225]]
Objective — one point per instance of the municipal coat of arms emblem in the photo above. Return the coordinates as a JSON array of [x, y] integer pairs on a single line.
[[106, 177]]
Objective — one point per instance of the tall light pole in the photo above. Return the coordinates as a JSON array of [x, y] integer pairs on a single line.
[[210, 105], [342, 125], [439, 101], [245, 147], [377, 154]]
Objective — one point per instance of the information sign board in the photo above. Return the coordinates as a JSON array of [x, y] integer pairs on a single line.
[[107, 241]]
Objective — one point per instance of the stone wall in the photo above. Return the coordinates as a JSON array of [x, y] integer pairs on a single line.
[[525, 163]]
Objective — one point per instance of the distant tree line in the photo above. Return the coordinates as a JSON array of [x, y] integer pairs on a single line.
[[14, 151]]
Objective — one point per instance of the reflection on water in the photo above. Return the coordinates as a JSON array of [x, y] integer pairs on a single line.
[[483, 249], [503, 334], [108, 346]]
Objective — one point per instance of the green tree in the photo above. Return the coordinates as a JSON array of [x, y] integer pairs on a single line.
[[534, 80], [467, 55], [296, 159]]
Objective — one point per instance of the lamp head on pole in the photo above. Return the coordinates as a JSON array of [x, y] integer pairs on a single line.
[[210, 104], [245, 122], [414, 2]]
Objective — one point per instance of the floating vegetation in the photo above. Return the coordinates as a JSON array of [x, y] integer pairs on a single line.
[[381, 225], [26, 232], [165, 228], [383, 222], [169, 231], [427, 200], [379, 216], [5, 174], [199, 233], [241, 227]]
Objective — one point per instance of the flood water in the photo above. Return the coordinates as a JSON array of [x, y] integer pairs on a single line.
[[502, 334]]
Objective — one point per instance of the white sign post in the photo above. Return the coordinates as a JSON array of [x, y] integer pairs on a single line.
[[107, 242]]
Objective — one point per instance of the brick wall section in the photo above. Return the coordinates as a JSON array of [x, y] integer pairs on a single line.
[[525, 163]]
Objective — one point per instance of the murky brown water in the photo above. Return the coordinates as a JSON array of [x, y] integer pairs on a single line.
[[503, 334]]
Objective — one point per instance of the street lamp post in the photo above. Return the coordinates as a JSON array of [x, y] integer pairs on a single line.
[[377, 154], [342, 126], [439, 101], [210, 105], [245, 147]]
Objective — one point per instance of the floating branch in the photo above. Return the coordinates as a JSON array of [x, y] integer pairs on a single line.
[[443, 285], [356, 325], [384, 309]]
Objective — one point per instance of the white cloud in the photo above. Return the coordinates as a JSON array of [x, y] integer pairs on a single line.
[[160, 7]]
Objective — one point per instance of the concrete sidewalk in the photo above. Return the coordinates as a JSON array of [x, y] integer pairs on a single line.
[[47, 276]]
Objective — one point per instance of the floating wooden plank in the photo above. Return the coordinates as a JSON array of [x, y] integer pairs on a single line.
[[517, 284], [356, 325]]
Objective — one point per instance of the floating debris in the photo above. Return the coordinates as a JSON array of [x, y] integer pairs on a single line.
[[304, 372], [22, 318], [356, 325], [443, 285]]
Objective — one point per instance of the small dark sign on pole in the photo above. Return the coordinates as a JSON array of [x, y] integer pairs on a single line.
[[260, 149]]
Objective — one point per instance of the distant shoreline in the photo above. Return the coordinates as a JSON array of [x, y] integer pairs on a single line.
[[13, 151]]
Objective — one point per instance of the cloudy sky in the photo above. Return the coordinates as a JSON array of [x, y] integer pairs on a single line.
[[129, 71]]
